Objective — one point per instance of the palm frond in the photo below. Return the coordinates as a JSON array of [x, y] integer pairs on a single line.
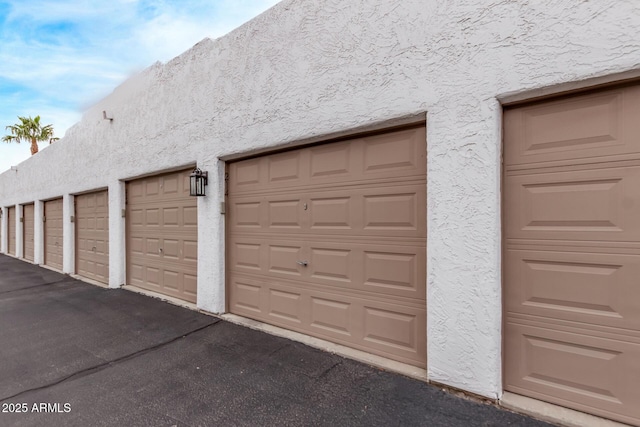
[[29, 129]]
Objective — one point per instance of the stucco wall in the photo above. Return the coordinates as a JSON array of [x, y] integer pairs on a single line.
[[306, 69]]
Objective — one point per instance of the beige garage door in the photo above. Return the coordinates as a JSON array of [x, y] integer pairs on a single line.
[[92, 236], [53, 233], [11, 230], [330, 241], [27, 229], [572, 261], [162, 235]]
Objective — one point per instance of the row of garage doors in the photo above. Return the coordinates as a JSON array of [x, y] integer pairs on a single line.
[[28, 231], [52, 220], [161, 235], [330, 240]]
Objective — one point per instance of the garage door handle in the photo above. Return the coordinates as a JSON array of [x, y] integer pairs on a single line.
[[302, 263], [93, 249]]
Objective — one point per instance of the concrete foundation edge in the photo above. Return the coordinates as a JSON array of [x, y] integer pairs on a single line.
[[551, 413]]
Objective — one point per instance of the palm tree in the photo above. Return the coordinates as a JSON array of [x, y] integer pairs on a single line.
[[30, 130]]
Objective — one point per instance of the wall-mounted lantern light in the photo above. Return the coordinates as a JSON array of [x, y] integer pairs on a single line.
[[198, 180]]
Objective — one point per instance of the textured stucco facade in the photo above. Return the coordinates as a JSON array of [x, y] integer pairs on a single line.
[[311, 70]]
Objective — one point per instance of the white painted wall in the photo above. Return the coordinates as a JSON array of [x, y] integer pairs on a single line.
[[308, 69]]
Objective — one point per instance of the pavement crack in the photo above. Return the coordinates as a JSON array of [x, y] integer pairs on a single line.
[[329, 369], [277, 350], [34, 286], [109, 363]]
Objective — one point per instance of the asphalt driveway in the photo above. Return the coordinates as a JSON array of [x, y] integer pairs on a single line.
[[73, 354]]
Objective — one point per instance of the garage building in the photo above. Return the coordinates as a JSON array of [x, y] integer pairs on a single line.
[[448, 189]]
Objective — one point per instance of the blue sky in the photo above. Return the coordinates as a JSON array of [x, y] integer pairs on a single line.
[[58, 57]]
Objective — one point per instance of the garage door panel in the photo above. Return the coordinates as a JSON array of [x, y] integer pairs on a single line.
[[284, 167], [371, 210], [171, 185], [246, 255], [394, 272], [171, 217], [162, 235], [283, 259], [190, 217], [335, 265], [286, 305], [136, 273], [246, 175], [572, 259], [28, 229], [135, 189], [53, 233], [575, 129], [102, 247], [190, 250], [190, 287], [136, 217], [92, 235], [152, 277], [152, 186], [102, 270], [393, 212], [330, 161], [246, 296], [151, 247], [591, 371], [394, 154], [582, 205], [329, 240], [165, 250], [391, 269], [156, 190], [176, 265], [152, 217], [331, 316], [389, 156], [389, 329], [170, 279], [247, 215], [171, 250], [285, 213], [102, 223], [593, 288], [331, 212], [136, 245], [11, 234]]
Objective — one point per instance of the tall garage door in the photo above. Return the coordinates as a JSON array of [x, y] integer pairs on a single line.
[[92, 236], [53, 233], [330, 241], [11, 230], [572, 261], [162, 235], [28, 230]]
